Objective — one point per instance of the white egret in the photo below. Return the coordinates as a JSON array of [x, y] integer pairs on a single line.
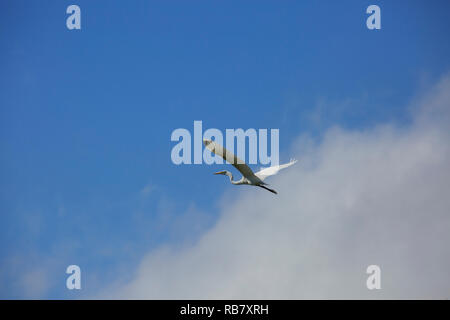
[[248, 176]]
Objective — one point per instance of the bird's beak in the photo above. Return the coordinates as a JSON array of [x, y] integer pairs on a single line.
[[220, 172]]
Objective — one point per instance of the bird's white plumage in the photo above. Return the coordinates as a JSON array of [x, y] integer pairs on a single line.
[[248, 176], [231, 158]]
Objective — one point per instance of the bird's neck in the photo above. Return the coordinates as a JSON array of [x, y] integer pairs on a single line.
[[230, 175]]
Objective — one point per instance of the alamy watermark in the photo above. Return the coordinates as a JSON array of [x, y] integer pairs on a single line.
[[374, 279], [74, 280], [73, 22], [373, 22], [189, 149]]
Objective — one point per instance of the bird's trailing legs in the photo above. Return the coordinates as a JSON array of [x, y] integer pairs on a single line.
[[268, 189]]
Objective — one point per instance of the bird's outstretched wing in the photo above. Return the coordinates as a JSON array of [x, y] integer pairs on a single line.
[[270, 171], [231, 158]]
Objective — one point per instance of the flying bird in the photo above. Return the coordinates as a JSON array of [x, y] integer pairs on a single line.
[[248, 176]]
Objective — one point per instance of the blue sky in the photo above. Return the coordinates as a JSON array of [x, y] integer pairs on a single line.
[[86, 115]]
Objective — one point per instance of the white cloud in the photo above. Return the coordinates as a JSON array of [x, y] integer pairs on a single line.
[[357, 198]]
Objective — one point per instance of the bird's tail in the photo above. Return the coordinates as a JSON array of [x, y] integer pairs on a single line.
[[268, 189]]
